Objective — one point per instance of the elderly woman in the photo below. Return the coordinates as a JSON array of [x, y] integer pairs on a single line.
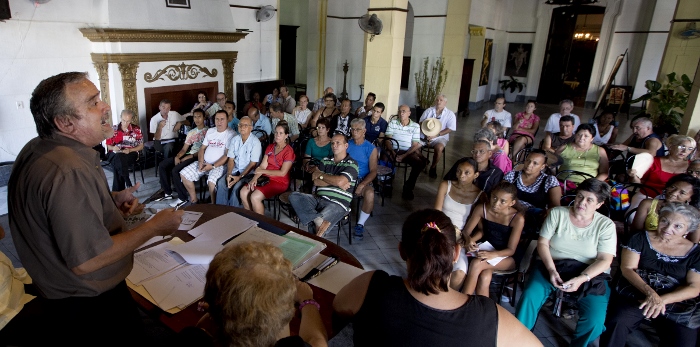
[[659, 268], [124, 147], [663, 168], [422, 309], [249, 297], [576, 247], [499, 157], [683, 188], [583, 156]]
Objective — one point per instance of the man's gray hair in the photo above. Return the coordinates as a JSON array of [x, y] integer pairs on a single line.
[[484, 142], [643, 121], [485, 133], [357, 121], [567, 101]]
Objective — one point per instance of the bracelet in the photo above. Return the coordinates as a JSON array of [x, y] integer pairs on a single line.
[[588, 278], [309, 302]]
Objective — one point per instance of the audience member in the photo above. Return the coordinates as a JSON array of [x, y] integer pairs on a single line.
[[334, 179], [606, 131], [659, 269], [260, 122], [169, 169], [319, 147], [406, 133], [374, 123], [244, 152], [583, 156], [301, 112], [501, 146], [327, 111], [366, 110], [220, 104], [18, 319], [321, 102], [250, 295], [289, 103], [498, 114], [642, 140], [565, 135], [123, 149], [694, 168], [526, 125], [232, 120], [498, 158], [340, 124], [277, 114], [683, 188], [576, 247], [500, 225], [366, 157], [273, 98], [422, 310], [203, 104], [457, 192], [448, 120], [274, 169], [253, 102], [565, 108], [489, 174], [210, 161], [663, 168], [78, 265], [165, 126]]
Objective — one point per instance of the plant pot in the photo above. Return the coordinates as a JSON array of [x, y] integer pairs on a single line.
[[510, 97], [419, 113]]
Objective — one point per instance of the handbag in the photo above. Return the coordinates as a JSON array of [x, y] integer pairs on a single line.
[[262, 181]]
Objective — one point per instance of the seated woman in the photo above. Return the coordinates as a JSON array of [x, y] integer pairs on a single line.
[[498, 157], [658, 268], [576, 247], [537, 190], [253, 102], [524, 128], [583, 156], [422, 310], [502, 145], [249, 298], [123, 150], [302, 112], [606, 131], [329, 111], [319, 147], [458, 193], [277, 161], [500, 225], [683, 188], [664, 168], [204, 104]]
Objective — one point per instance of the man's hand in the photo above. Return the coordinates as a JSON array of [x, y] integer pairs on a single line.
[[177, 160], [345, 186], [166, 221], [231, 180], [618, 147], [429, 138], [359, 188], [177, 126], [126, 202], [161, 124], [399, 158]]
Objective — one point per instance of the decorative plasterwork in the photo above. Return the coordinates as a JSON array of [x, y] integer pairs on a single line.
[[228, 64], [128, 71], [179, 72], [477, 31], [150, 57], [103, 74], [142, 35]]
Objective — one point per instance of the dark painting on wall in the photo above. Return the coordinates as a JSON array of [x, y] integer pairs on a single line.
[[486, 64], [518, 59]]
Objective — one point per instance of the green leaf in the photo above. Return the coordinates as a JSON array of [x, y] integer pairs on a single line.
[[653, 86], [671, 77]]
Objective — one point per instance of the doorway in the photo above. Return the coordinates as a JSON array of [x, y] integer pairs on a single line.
[[288, 53], [573, 39]]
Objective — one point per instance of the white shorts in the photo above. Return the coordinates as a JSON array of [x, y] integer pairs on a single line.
[[440, 140], [191, 173], [462, 263]]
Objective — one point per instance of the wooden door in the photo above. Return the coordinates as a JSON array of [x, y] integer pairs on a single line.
[[465, 86]]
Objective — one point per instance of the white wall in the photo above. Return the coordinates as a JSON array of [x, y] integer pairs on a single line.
[[345, 42], [295, 12]]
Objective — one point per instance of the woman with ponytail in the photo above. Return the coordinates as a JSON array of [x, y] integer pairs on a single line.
[[422, 309]]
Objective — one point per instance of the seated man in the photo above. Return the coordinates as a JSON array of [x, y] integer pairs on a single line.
[[320, 102], [406, 133], [374, 123], [260, 122], [340, 123], [565, 135], [489, 174], [211, 159], [230, 108], [277, 114], [243, 156], [366, 156], [289, 103], [169, 169], [335, 179], [565, 108], [498, 114], [642, 140], [165, 126], [366, 110], [449, 124]]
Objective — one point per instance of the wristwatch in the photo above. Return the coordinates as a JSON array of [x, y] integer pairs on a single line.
[[320, 177]]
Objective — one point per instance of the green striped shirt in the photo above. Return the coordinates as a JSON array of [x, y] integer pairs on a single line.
[[346, 167]]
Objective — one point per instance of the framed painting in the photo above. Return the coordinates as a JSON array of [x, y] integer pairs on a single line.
[[178, 3], [518, 59], [486, 63]]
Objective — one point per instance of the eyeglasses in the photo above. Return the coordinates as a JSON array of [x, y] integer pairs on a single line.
[[357, 129], [684, 148], [481, 151], [693, 172]]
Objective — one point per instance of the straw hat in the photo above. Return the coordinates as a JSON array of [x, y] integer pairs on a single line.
[[431, 127]]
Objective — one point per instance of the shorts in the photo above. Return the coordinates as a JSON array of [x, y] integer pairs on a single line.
[[462, 263], [437, 140], [275, 187], [191, 173]]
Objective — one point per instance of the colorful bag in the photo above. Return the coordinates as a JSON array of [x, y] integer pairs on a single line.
[[619, 197]]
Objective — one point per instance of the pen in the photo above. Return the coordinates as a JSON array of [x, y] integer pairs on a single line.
[[327, 264]]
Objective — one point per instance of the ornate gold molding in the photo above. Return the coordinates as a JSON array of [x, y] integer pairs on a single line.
[[228, 76], [477, 31], [143, 35], [179, 72], [150, 57], [128, 71], [103, 74]]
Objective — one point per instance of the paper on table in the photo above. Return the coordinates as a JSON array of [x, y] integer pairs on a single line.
[[143, 292], [260, 235], [305, 268], [222, 228], [189, 219], [335, 278], [153, 240], [155, 261], [487, 246], [295, 249], [197, 252], [318, 247], [178, 288]]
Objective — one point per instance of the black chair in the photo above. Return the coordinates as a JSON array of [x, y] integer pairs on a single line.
[[516, 277], [429, 152], [385, 173], [150, 153], [565, 176], [263, 137], [525, 150], [139, 164]]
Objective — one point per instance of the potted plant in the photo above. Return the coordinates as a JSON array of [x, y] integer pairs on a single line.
[[508, 87], [667, 102], [429, 84]]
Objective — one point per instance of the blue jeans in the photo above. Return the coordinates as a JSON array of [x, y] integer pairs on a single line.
[[308, 207], [226, 196]]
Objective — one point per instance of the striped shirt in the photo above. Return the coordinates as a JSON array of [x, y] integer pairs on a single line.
[[405, 135], [346, 167]]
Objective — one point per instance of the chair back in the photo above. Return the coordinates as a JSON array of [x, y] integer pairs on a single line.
[[565, 176]]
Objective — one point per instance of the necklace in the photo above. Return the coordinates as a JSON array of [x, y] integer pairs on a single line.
[[581, 154]]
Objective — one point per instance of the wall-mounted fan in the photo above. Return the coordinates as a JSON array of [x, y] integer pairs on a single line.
[[265, 13], [690, 32], [371, 25]]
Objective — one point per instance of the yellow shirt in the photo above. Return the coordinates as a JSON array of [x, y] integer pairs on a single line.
[[586, 162]]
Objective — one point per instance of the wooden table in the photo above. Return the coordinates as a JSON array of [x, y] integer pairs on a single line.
[[190, 315]]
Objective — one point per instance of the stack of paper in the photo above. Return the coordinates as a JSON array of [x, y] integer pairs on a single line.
[[486, 246], [222, 228], [154, 262]]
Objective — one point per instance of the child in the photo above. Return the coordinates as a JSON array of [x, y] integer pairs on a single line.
[[525, 127]]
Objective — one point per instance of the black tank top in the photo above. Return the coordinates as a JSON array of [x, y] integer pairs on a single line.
[[637, 143], [538, 199], [495, 233], [391, 316]]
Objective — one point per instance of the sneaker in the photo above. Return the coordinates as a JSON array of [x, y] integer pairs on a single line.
[[359, 232], [177, 203], [165, 197], [155, 196], [433, 173], [318, 221]]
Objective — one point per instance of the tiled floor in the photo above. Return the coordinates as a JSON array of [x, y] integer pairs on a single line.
[[379, 249]]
